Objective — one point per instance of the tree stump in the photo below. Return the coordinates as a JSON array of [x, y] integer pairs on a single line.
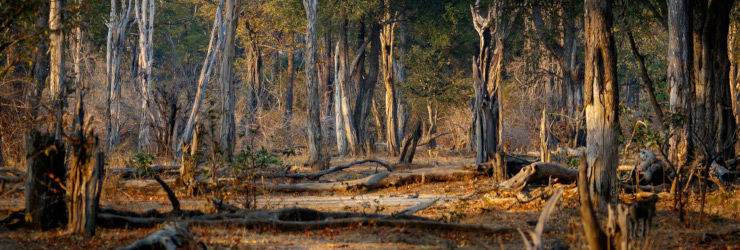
[[45, 206]]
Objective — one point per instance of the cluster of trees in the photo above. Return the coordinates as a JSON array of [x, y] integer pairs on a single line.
[[581, 55]]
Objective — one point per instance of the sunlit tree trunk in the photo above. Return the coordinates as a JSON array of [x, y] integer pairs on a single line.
[[339, 79], [144, 13], [254, 65], [317, 158], [228, 95], [56, 51], [289, 93], [117, 33], [218, 35], [601, 100], [391, 106]]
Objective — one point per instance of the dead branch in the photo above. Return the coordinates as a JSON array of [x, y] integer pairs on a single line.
[[416, 208], [628, 188], [170, 195], [426, 141], [317, 175], [380, 180], [540, 172], [130, 171], [171, 237], [13, 171]]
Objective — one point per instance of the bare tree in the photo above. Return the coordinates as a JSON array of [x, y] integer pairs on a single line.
[[601, 99], [144, 14], [117, 33], [218, 33], [56, 77], [366, 90], [317, 158], [228, 125], [487, 73], [391, 107]]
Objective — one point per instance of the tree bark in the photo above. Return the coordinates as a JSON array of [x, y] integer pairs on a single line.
[[601, 98], [144, 13], [648, 82], [679, 82], [219, 25], [45, 205], [317, 159], [56, 50], [117, 33], [366, 91], [391, 107], [340, 68], [487, 69], [289, 94], [325, 73], [228, 93]]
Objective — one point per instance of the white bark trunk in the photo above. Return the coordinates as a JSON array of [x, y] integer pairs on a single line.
[[144, 13]]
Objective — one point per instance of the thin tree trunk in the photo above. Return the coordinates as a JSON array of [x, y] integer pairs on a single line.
[[327, 75], [56, 79], [433, 113], [339, 78], [117, 33], [289, 94], [219, 25], [144, 13], [228, 95], [391, 106], [317, 159], [645, 78], [601, 98]]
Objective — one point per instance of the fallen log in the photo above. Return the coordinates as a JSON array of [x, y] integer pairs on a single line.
[[380, 180], [130, 171], [317, 175], [171, 237], [10, 179], [540, 172], [14, 171], [628, 188], [416, 208]]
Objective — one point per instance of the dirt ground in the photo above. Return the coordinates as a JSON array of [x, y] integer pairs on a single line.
[[719, 229]]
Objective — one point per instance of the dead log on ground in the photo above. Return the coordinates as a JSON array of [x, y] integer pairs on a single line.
[[380, 180], [416, 208], [19, 175], [317, 175], [170, 195], [171, 237], [130, 171], [536, 236], [540, 172], [628, 188]]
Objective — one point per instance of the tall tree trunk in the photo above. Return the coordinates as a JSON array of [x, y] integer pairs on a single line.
[[56, 79], [219, 25], [144, 13], [679, 81], [391, 106], [228, 95], [254, 64], [289, 93], [325, 74], [317, 158], [46, 173], [487, 69], [601, 98], [366, 90], [117, 33], [433, 113], [340, 63]]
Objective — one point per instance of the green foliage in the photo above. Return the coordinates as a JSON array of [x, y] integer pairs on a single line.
[[141, 162], [253, 158], [572, 162]]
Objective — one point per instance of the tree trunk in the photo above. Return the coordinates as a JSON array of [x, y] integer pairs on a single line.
[[391, 107], [228, 95], [56, 79], [648, 82], [409, 145], [317, 158], [544, 138], [86, 175], [339, 79], [679, 82], [433, 113], [326, 74], [219, 24], [289, 94], [366, 92], [45, 205], [254, 64], [117, 33], [601, 98], [144, 13], [487, 69]]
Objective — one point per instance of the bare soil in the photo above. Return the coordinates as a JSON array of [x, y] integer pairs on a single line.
[[719, 229]]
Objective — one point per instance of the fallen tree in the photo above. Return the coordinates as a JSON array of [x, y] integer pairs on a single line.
[[540, 172], [317, 175], [174, 236]]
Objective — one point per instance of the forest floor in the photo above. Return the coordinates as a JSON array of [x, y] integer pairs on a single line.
[[719, 229]]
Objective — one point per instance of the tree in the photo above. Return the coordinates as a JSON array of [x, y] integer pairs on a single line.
[[56, 80], [601, 100], [366, 89], [679, 82], [487, 74], [391, 106], [228, 98], [316, 158], [144, 13], [117, 33]]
